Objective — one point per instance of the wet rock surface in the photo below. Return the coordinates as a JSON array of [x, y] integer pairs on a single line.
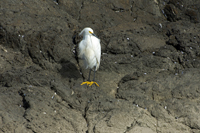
[[149, 73]]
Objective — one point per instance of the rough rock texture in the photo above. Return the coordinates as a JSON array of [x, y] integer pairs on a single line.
[[149, 73]]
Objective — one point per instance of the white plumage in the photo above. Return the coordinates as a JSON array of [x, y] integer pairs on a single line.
[[90, 49], [90, 52]]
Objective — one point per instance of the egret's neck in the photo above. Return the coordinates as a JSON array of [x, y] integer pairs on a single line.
[[86, 37]]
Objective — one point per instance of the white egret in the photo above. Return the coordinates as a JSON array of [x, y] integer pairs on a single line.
[[90, 52]]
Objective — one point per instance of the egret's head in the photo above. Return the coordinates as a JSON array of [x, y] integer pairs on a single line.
[[87, 31]]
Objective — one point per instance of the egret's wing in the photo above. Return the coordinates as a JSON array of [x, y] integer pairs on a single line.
[[82, 46], [96, 49], [82, 51]]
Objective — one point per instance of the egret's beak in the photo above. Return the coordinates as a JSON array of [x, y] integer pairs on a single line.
[[93, 34]]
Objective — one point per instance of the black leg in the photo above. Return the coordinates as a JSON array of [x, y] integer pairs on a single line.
[[89, 75], [94, 76]]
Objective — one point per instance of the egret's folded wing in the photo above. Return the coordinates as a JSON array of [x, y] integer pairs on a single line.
[[81, 47]]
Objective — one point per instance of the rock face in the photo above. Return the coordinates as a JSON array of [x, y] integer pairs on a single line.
[[149, 73]]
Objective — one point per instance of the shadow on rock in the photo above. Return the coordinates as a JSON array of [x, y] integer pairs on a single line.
[[69, 70]]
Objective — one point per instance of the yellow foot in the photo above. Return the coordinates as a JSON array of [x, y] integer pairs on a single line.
[[90, 83]]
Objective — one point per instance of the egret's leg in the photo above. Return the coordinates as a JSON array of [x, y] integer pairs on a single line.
[[89, 75], [88, 81], [92, 82], [94, 75]]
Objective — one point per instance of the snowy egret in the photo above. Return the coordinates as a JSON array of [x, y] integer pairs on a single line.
[[90, 52]]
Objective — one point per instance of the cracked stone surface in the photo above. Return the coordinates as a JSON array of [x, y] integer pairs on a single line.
[[149, 73]]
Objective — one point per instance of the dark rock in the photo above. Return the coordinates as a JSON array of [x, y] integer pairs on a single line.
[[148, 77]]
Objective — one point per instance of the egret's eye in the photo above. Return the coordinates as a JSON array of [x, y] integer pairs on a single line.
[[90, 32]]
